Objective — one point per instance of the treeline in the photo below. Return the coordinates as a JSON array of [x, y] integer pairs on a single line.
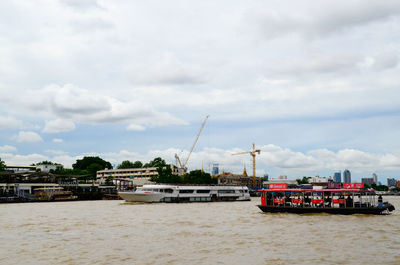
[[87, 167], [193, 177], [156, 162]]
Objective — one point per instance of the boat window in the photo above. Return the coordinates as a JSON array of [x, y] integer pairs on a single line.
[[226, 191], [169, 190], [186, 191], [203, 191]]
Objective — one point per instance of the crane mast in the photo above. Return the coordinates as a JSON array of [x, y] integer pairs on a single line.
[[183, 166], [253, 155]]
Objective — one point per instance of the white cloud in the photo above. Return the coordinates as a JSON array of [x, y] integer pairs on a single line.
[[58, 140], [324, 18], [125, 64], [8, 149], [56, 152], [73, 104], [135, 127], [81, 5], [58, 125], [28, 137], [9, 122], [273, 159]]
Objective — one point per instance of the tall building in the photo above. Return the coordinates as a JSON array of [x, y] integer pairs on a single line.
[[391, 182], [337, 177], [346, 176], [215, 169], [375, 177], [367, 181]]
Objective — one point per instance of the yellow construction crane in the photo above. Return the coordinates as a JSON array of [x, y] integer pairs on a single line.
[[183, 166], [253, 154]]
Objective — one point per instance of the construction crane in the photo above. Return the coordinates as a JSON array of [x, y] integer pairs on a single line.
[[253, 154], [183, 166]]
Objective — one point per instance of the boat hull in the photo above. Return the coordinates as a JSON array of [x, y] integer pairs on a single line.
[[345, 211], [140, 197]]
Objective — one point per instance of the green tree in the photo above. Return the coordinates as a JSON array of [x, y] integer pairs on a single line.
[[93, 168], [2, 165], [45, 162], [109, 180], [86, 161], [129, 164], [156, 162], [380, 187], [304, 180], [137, 164], [199, 177], [165, 176]]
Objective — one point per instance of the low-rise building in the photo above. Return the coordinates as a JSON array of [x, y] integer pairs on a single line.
[[226, 178], [135, 176], [48, 167]]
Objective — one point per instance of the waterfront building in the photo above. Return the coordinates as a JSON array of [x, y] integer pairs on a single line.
[[318, 179], [15, 168], [226, 178], [48, 167], [391, 182], [368, 181], [337, 177], [346, 176], [133, 176], [375, 177]]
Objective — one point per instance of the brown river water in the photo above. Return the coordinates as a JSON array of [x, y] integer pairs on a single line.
[[114, 232]]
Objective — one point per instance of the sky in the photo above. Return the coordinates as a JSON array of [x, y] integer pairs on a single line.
[[314, 84]]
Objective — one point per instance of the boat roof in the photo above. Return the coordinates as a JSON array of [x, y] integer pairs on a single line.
[[317, 190]]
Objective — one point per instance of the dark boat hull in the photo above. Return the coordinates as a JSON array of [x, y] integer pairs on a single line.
[[345, 211]]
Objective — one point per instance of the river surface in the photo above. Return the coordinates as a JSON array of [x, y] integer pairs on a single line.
[[114, 232]]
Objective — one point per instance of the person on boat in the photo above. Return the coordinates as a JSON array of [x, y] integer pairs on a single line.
[[269, 198], [328, 201], [349, 201], [287, 200], [307, 200], [380, 200], [341, 199]]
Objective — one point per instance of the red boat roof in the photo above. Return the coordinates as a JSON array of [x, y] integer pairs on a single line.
[[314, 191]]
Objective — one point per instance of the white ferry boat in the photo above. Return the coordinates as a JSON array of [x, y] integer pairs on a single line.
[[181, 193]]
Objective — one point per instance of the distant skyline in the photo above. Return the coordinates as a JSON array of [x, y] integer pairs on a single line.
[[315, 84]]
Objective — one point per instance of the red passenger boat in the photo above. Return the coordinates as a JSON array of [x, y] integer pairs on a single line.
[[352, 199]]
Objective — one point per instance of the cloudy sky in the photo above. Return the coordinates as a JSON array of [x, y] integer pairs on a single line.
[[315, 84]]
